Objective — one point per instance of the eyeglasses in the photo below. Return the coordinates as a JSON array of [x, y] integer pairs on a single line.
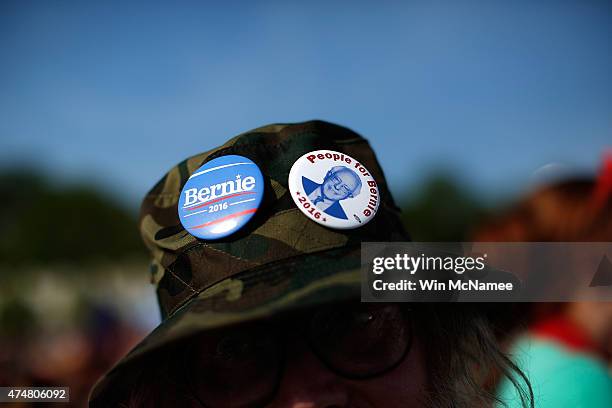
[[337, 181], [243, 366]]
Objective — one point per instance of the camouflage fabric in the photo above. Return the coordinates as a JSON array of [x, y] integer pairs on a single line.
[[278, 261]]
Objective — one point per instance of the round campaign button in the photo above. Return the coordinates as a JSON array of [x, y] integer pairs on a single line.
[[333, 189], [220, 197]]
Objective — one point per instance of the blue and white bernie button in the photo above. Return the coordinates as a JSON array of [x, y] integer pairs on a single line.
[[221, 197], [333, 189]]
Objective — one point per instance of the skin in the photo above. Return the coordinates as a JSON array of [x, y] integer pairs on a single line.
[[333, 191], [304, 380], [307, 383]]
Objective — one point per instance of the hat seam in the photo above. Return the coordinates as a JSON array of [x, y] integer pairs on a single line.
[[267, 266], [353, 140], [198, 245], [181, 280], [143, 348]]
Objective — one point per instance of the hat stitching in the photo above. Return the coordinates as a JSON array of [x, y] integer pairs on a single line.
[[272, 266], [182, 281]]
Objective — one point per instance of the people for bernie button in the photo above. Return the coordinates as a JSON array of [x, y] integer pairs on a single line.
[[333, 189], [220, 197]]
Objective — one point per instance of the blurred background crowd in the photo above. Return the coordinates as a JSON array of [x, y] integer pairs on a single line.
[[469, 107]]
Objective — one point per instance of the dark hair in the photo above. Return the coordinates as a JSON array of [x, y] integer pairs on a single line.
[[464, 362], [564, 212], [568, 211]]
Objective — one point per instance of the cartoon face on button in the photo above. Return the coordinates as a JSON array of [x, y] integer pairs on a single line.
[[341, 183], [333, 189]]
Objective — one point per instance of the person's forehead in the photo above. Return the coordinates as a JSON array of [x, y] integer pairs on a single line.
[[346, 172]]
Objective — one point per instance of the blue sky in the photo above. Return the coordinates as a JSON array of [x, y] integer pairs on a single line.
[[115, 93]]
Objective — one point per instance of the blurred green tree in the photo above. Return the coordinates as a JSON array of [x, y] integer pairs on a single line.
[[442, 210], [41, 223], [17, 320]]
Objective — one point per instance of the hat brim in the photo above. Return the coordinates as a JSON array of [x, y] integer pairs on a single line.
[[298, 282]]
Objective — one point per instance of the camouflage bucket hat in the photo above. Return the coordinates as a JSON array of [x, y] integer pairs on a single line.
[[280, 260]]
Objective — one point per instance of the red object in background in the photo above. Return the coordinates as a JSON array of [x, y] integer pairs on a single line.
[[603, 186], [562, 330]]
